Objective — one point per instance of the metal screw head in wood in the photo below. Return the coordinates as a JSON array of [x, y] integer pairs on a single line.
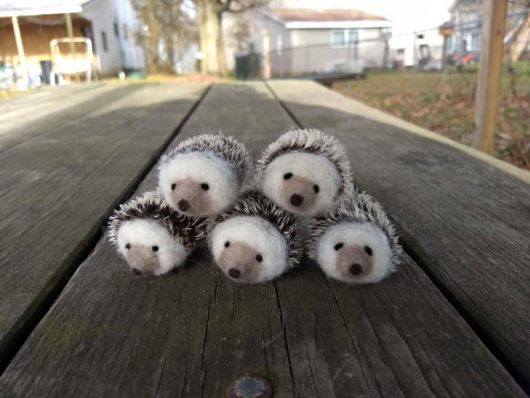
[[249, 387]]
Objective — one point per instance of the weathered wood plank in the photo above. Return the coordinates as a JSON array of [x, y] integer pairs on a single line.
[[58, 188], [187, 333], [55, 111], [42, 95], [467, 222], [193, 332]]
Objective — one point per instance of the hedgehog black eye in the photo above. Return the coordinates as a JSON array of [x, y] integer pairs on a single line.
[[128, 246], [173, 186], [338, 246], [227, 244], [368, 250], [259, 258], [155, 248], [316, 188], [205, 187], [286, 176]]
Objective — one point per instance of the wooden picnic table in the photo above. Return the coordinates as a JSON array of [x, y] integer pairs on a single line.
[[75, 322]]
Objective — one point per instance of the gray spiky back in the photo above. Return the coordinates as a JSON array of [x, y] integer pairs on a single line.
[[152, 205], [254, 203], [361, 208], [315, 142], [223, 146]]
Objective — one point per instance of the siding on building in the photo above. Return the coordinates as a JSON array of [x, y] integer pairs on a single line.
[[298, 51], [121, 50]]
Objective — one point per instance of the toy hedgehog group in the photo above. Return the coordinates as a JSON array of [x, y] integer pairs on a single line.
[[207, 191]]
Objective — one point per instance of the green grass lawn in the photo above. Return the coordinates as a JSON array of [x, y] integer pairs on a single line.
[[444, 103]]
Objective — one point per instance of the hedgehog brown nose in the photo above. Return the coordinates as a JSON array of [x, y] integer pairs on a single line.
[[183, 205], [356, 269], [296, 199], [353, 261], [234, 273]]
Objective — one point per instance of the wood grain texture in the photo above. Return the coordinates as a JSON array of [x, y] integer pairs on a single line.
[[44, 112], [191, 333], [20, 105], [467, 222], [58, 188]]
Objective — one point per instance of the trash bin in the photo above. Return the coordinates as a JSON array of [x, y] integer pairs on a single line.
[[46, 70], [248, 67], [241, 67]]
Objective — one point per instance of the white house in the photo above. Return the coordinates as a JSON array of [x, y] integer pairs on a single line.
[[114, 23], [314, 41], [108, 24]]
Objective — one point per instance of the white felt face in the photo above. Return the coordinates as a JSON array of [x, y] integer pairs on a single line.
[[355, 253], [149, 247], [198, 183], [249, 249], [302, 183]]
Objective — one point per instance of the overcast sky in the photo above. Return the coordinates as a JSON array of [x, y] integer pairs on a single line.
[[407, 15]]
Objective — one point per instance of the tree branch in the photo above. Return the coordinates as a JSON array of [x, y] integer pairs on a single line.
[[239, 6]]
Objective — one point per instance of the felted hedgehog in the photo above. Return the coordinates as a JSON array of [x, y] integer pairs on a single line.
[[357, 243], [152, 236], [203, 175], [255, 240], [306, 172]]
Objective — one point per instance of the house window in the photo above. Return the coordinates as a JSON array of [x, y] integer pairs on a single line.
[[353, 37], [338, 38], [104, 41], [344, 37], [116, 32]]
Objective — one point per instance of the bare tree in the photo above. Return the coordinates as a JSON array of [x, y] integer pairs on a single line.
[[164, 22], [240, 34], [210, 13]]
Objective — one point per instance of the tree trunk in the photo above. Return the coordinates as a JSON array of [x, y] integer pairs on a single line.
[[203, 34], [211, 41], [170, 51], [221, 64], [212, 37], [152, 55]]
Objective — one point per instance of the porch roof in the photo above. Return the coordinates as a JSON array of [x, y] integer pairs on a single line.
[[18, 8]]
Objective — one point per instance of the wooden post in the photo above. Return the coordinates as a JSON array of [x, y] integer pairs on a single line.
[[446, 30], [70, 32], [489, 74], [266, 56], [20, 46], [444, 52]]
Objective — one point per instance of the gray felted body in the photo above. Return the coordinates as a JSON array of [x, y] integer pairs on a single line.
[[204, 175], [357, 243], [305, 172], [152, 236], [255, 240]]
